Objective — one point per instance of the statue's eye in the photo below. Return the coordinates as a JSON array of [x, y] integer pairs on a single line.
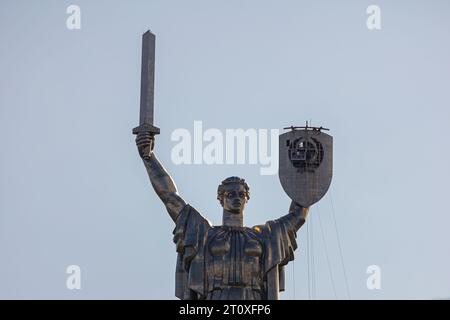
[[241, 194], [230, 195]]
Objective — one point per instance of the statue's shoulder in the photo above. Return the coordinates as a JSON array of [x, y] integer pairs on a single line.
[[264, 229], [190, 214], [258, 228]]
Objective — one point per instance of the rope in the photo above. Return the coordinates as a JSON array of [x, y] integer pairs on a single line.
[[313, 267], [340, 247], [307, 260], [308, 241], [293, 276], [326, 254]]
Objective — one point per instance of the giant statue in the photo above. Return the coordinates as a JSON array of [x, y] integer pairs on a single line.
[[231, 261]]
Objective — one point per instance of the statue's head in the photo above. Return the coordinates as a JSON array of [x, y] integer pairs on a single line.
[[233, 193]]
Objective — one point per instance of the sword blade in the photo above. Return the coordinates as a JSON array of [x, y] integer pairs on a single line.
[[147, 78], [147, 85]]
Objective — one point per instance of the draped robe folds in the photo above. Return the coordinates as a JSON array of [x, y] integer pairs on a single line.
[[192, 235]]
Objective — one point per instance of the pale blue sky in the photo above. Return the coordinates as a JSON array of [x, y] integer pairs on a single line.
[[74, 191]]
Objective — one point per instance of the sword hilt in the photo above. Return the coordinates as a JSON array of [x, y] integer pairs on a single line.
[[146, 127]]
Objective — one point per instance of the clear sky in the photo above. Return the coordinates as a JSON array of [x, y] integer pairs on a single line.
[[73, 190]]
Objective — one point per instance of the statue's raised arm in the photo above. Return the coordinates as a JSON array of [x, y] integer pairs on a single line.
[[161, 181]]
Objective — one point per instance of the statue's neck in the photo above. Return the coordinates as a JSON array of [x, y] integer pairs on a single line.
[[232, 219]]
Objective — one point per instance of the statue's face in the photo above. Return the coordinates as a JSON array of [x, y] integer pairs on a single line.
[[234, 198]]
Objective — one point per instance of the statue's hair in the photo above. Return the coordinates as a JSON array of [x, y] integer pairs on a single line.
[[231, 180]]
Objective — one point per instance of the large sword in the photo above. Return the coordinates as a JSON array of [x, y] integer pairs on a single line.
[[147, 85]]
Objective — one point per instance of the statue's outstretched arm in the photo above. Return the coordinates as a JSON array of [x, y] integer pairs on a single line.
[[161, 181]]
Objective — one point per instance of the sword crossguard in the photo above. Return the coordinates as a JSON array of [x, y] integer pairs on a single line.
[[146, 127]]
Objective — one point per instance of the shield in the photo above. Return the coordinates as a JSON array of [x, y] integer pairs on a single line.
[[305, 164]]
